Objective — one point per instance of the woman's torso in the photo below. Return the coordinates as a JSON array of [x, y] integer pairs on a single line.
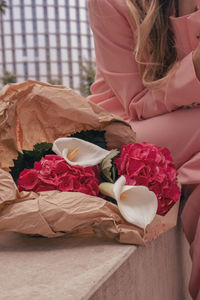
[[186, 28]]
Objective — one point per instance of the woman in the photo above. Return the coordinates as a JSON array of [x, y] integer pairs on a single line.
[[148, 72]]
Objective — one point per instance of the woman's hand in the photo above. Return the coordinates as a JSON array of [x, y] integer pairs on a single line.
[[196, 61]]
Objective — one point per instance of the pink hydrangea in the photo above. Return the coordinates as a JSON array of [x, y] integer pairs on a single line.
[[54, 173], [151, 166]]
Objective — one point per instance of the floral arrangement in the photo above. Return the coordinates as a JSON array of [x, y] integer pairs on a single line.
[[79, 184], [142, 179]]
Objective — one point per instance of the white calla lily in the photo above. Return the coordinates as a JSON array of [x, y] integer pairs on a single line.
[[78, 152], [137, 204]]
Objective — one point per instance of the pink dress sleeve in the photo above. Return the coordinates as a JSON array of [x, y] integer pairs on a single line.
[[118, 86]]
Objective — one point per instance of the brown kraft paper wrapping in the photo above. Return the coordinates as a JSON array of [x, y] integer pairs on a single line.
[[33, 112]]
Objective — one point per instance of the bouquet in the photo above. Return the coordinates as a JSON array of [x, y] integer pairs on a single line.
[[86, 173], [148, 184]]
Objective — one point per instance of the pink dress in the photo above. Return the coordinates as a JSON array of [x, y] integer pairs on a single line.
[[158, 115]]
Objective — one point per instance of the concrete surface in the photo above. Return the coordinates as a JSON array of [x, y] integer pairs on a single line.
[[81, 268]]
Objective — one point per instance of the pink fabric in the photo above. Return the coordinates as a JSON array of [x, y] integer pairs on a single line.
[[156, 115]]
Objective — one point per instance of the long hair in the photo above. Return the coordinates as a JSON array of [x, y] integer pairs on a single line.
[[155, 50]]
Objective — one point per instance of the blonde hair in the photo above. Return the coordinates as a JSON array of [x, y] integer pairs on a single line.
[[155, 50]]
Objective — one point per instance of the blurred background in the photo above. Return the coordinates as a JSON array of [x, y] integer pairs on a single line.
[[47, 40]]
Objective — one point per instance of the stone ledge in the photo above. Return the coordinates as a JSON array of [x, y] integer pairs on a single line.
[[81, 268], [159, 271]]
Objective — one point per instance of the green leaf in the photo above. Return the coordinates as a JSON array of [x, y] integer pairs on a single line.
[[42, 147], [92, 136], [108, 168]]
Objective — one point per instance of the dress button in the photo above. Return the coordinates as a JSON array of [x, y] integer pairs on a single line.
[[198, 35]]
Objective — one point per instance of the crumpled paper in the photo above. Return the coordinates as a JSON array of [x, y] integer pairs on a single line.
[[32, 112]]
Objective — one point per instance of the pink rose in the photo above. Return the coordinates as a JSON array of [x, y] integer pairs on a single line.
[[79, 179], [28, 180], [54, 173], [151, 166]]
